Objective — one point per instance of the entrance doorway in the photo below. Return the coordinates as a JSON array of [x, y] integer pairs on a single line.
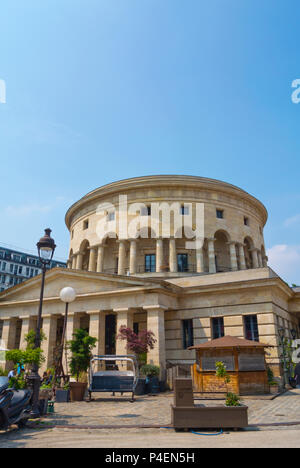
[[110, 334]]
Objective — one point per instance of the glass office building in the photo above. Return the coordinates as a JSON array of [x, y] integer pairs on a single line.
[[16, 267]]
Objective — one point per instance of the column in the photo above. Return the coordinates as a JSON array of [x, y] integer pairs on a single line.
[[156, 324], [211, 256], [233, 257], [28, 323], [93, 258], [124, 318], [100, 258], [48, 345], [242, 259], [79, 261], [254, 258], [260, 262], [9, 336], [265, 261], [132, 260], [9, 332], [199, 260], [97, 330], [172, 256], [74, 262], [69, 264], [159, 255], [122, 257]]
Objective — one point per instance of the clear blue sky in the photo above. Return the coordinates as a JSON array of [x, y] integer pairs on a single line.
[[99, 90]]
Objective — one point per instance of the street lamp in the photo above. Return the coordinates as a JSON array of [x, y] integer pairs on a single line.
[[67, 295], [46, 247]]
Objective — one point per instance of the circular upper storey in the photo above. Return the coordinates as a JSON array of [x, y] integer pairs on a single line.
[[231, 216], [235, 202]]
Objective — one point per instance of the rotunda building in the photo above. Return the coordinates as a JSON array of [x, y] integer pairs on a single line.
[[167, 226]]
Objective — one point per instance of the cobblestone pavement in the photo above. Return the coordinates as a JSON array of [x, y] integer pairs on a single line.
[[155, 410]]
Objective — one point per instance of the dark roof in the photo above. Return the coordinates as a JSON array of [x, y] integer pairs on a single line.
[[230, 342]]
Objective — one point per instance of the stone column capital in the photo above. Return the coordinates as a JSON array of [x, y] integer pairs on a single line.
[[155, 307], [93, 312], [232, 242]]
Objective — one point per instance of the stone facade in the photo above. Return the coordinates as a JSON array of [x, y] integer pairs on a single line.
[[226, 278]]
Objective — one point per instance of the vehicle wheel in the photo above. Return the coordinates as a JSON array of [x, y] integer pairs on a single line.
[[22, 423]]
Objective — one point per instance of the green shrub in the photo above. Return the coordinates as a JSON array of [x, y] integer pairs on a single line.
[[232, 400], [17, 383], [150, 371]]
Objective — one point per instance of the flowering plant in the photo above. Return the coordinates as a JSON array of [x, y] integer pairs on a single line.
[[139, 343]]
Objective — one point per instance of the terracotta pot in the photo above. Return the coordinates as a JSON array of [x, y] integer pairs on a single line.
[[77, 391]]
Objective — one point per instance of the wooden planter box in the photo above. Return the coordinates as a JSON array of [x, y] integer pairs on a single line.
[[210, 417]]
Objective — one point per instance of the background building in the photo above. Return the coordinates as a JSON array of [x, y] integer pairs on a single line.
[[16, 267]]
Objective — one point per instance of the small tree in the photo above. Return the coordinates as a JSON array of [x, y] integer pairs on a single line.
[[30, 338], [81, 352], [140, 343], [231, 398]]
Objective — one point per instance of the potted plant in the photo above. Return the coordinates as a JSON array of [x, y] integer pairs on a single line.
[[152, 378], [62, 395], [273, 384], [138, 344], [81, 354]]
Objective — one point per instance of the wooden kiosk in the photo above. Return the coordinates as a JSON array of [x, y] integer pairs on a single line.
[[245, 363]]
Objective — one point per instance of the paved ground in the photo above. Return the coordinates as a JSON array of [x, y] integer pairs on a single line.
[[147, 438], [155, 410]]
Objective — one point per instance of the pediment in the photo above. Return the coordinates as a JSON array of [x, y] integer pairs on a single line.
[[83, 282]]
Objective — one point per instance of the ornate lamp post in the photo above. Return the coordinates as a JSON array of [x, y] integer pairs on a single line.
[[67, 295], [46, 247]]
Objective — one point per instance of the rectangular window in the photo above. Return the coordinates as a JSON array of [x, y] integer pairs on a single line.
[[246, 221], [182, 262], [150, 263], [86, 224], [184, 210], [146, 211], [136, 328], [220, 214], [217, 327], [111, 216], [187, 333], [251, 328]]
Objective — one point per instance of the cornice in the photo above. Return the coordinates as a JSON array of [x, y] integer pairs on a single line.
[[164, 181]]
